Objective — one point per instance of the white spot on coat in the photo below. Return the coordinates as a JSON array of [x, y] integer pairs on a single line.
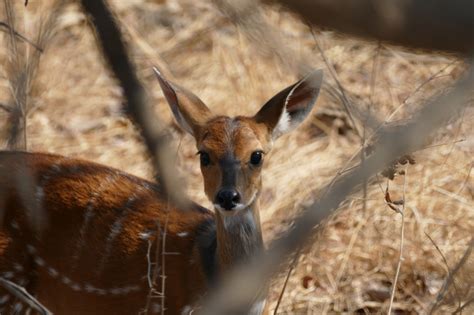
[[17, 267], [145, 235], [66, 280], [8, 274], [31, 249], [4, 299], [18, 307], [39, 261], [155, 308], [186, 310], [53, 272]]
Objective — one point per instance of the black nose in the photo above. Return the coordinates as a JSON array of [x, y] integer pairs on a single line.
[[227, 198]]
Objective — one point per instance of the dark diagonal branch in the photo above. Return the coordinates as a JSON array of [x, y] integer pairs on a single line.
[[435, 24], [137, 103]]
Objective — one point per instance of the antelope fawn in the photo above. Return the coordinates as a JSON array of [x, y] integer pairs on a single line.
[[96, 251]]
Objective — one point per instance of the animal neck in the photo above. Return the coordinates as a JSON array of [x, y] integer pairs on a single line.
[[239, 236]]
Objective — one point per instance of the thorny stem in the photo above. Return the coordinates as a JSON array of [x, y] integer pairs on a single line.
[[163, 261]]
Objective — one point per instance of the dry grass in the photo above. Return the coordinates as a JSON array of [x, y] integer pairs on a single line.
[[351, 266]]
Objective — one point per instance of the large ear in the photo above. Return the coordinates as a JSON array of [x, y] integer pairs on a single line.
[[188, 110], [286, 110]]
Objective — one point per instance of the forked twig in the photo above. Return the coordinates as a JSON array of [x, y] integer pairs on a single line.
[[24, 296], [462, 307], [23, 38]]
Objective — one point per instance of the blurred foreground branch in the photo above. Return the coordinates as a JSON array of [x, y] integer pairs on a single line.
[[137, 103], [245, 282], [24, 296], [435, 24]]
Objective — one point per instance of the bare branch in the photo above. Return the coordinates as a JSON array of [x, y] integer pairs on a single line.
[[137, 103], [24, 296], [244, 283], [435, 24]]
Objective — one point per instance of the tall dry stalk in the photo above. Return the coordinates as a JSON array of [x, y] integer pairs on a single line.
[[21, 70]]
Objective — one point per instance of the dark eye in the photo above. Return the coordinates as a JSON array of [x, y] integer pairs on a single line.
[[204, 157], [256, 158]]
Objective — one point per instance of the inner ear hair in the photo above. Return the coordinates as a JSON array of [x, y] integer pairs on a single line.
[[189, 111], [287, 109]]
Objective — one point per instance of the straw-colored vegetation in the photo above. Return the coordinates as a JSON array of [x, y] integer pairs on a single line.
[[76, 111]]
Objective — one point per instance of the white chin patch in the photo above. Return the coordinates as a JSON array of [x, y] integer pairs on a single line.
[[238, 207]]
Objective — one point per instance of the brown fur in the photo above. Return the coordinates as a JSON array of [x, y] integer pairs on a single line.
[[67, 196]]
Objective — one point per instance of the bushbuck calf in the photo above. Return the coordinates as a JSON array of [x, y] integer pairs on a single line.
[[82, 237]]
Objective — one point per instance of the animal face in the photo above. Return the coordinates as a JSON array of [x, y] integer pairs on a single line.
[[232, 151]]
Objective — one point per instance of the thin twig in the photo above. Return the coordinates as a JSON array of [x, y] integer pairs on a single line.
[[163, 264], [23, 38], [24, 296], [448, 269], [402, 239], [450, 278], [283, 289], [332, 71], [151, 272], [460, 309]]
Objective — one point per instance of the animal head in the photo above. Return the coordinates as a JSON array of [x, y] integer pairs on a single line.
[[232, 150]]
